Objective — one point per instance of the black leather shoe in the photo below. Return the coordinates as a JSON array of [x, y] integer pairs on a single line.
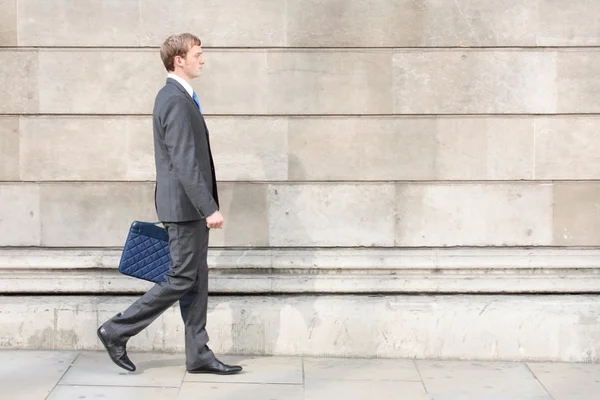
[[216, 367], [116, 351]]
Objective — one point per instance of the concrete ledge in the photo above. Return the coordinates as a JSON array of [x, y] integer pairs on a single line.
[[502, 270], [557, 328]]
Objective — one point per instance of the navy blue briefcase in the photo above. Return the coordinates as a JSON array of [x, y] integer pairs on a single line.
[[146, 253]]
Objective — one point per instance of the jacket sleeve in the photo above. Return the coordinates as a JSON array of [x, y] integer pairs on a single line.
[[181, 146]]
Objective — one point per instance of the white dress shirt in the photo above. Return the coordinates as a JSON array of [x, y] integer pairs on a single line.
[[183, 83]]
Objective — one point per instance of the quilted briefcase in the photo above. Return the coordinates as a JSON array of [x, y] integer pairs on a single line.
[[146, 252]]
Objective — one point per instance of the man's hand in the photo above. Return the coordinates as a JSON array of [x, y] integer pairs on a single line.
[[215, 220]]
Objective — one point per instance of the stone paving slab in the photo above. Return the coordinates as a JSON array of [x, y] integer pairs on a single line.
[[71, 375]]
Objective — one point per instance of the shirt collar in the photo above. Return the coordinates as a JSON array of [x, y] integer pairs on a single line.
[[183, 83]]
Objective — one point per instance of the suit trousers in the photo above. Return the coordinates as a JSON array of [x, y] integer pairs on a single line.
[[186, 282]]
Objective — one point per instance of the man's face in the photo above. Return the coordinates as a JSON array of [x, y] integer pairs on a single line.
[[192, 63]]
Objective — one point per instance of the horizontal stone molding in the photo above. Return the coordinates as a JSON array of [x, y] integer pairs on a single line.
[[301, 23], [309, 82], [466, 327], [276, 149], [320, 271]]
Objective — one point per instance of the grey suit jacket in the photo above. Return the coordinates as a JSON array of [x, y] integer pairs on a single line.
[[186, 187]]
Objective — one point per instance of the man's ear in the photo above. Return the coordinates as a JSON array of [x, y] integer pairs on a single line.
[[177, 60]]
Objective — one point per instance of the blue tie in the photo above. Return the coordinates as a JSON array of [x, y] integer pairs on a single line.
[[197, 101]]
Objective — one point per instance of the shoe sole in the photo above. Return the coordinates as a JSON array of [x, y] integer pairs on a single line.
[[106, 348], [214, 373]]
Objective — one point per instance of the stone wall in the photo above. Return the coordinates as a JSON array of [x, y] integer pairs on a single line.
[[362, 147]]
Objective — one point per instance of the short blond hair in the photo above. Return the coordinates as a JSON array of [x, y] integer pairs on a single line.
[[177, 45]]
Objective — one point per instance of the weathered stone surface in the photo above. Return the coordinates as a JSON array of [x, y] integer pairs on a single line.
[[93, 214], [576, 214], [122, 148], [310, 81], [309, 270], [79, 23], [249, 148], [9, 148], [480, 380], [477, 23], [567, 148], [330, 82], [124, 81], [473, 327], [371, 23], [19, 214], [8, 22], [575, 25], [578, 82], [442, 148], [473, 214], [361, 148], [476, 81], [245, 211], [406, 23], [73, 149], [17, 383], [331, 215], [236, 23], [484, 148], [19, 89], [568, 381], [225, 86]]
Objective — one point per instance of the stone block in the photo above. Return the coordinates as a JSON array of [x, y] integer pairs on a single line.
[[235, 23], [578, 82], [331, 215], [234, 82], [425, 148], [477, 23], [576, 214], [19, 89], [20, 214], [79, 23], [484, 148], [475, 81], [330, 82], [473, 214], [124, 81], [249, 148], [93, 214], [567, 148], [9, 148], [8, 22], [245, 211], [361, 149], [405, 23], [140, 149], [73, 148], [575, 25], [371, 23]]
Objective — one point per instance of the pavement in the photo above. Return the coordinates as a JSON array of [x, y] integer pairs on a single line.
[[62, 375]]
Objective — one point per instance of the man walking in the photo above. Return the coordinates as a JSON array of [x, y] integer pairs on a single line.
[[187, 204]]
